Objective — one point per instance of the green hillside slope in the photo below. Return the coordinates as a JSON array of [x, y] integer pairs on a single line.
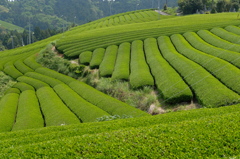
[[10, 26], [184, 60]]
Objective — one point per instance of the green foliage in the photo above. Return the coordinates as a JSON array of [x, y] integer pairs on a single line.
[[233, 29], [8, 109], [48, 58], [216, 129], [37, 84], [84, 110], [29, 114], [106, 67], [103, 101], [97, 57], [22, 67], [122, 69], [140, 73], [55, 112], [85, 57], [54, 74], [12, 90], [200, 44], [217, 41], [226, 35], [31, 62], [228, 74], [23, 86], [169, 83], [141, 99], [6, 82], [46, 79], [113, 117], [197, 78], [10, 70]]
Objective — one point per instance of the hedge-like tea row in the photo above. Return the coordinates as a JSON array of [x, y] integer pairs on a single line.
[[48, 72], [169, 83], [12, 90], [122, 68], [233, 29], [22, 67], [217, 41], [140, 74], [198, 43], [55, 112], [33, 82], [208, 90], [23, 86], [226, 35], [8, 109], [31, 62], [224, 71], [46, 79], [10, 70], [80, 107], [97, 58], [107, 66], [85, 57], [105, 102], [29, 115]]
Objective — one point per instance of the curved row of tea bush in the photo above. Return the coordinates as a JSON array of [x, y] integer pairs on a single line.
[[97, 57], [19, 65], [233, 29], [169, 83], [226, 35], [105, 102], [106, 67], [23, 86], [37, 84], [222, 70], [140, 73], [200, 44], [55, 112], [208, 90], [122, 68], [85, 57], [84, 110], [10, 70], [217, 41], [46, 79], [109, 104], [29, 115], [71, 46], [8, 109]]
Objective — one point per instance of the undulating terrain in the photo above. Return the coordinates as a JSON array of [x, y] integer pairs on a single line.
[[186, 59]]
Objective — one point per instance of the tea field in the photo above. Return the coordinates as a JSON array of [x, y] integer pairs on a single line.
[[44, 113]]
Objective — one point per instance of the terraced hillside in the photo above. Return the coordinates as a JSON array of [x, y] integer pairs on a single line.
[[184, 58], [10, 26]]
